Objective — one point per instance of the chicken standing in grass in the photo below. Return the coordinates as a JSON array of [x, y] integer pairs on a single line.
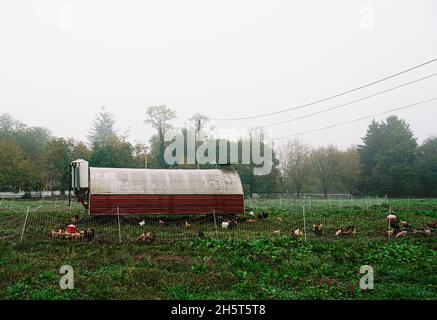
[[318, 229], [427, 231], [89, 234], [297, 233], [164, 223], [349, 231], [263, 215], [225, 225], [432, 225], [187, 225], [251, 221], [401, 234], [406, 224], [229, 224], [146, 237], [277, 232]]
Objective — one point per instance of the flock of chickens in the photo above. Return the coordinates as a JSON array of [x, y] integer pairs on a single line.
[[149, 237], [396, 228], [70, 232]]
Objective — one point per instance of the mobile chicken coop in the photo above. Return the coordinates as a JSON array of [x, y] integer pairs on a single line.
[[107, 191]]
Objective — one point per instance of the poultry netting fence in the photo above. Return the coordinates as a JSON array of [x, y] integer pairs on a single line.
[[305, 219]]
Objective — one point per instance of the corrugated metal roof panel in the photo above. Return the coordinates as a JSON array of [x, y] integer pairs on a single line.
[[163, 181]]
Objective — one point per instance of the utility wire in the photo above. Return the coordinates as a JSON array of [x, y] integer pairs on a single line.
[[355, 120], [347, 103], [328, 98]]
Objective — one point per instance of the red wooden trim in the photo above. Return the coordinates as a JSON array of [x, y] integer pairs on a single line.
[[166, 204]]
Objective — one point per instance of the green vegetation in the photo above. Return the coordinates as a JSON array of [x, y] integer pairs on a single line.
[[246, 263], [388, 162], [281, 268]]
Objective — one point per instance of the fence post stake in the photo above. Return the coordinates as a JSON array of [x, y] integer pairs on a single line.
[[25, 223], [119, 228], [215, 223], [12, 201], [389, 229], [304, 223]]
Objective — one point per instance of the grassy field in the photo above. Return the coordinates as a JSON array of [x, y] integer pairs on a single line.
[[248, 262]]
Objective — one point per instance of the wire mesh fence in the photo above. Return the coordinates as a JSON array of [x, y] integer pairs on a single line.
[[306, 219]]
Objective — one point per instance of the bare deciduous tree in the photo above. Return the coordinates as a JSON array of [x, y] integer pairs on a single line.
[[294, 164], [349, 169], [283, 155], [159, 117], [324, 163], [299, 165]]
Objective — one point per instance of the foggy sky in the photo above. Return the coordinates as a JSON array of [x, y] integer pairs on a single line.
[[60, 61]]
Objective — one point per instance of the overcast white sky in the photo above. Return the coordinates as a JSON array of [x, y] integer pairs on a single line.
[[60, 61]]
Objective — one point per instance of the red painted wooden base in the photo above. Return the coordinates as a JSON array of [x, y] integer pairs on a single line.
[[166, 204]]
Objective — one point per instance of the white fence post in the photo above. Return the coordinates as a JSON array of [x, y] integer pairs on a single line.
[[389, 229], [215, 223], [25, 223], [304, 223], [119, 227]]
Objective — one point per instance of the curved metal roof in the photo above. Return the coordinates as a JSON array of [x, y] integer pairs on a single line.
[[164, 181]]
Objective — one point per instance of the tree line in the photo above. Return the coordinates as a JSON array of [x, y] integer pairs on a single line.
[[389, 160]]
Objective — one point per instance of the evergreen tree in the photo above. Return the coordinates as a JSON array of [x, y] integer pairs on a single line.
[[102, 128], [427, 167], [388, 157]]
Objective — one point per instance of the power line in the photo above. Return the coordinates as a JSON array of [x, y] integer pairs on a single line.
[[355, 120], [328, 98], [347, 103]]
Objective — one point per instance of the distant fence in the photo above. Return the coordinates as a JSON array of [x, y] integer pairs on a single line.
[[32, 195], [287, 195], [266, 218]]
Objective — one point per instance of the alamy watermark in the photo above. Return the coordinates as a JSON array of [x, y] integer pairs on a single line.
[[366, 282], [367, 20], [66, 17], [67, 280], [218, 148]]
